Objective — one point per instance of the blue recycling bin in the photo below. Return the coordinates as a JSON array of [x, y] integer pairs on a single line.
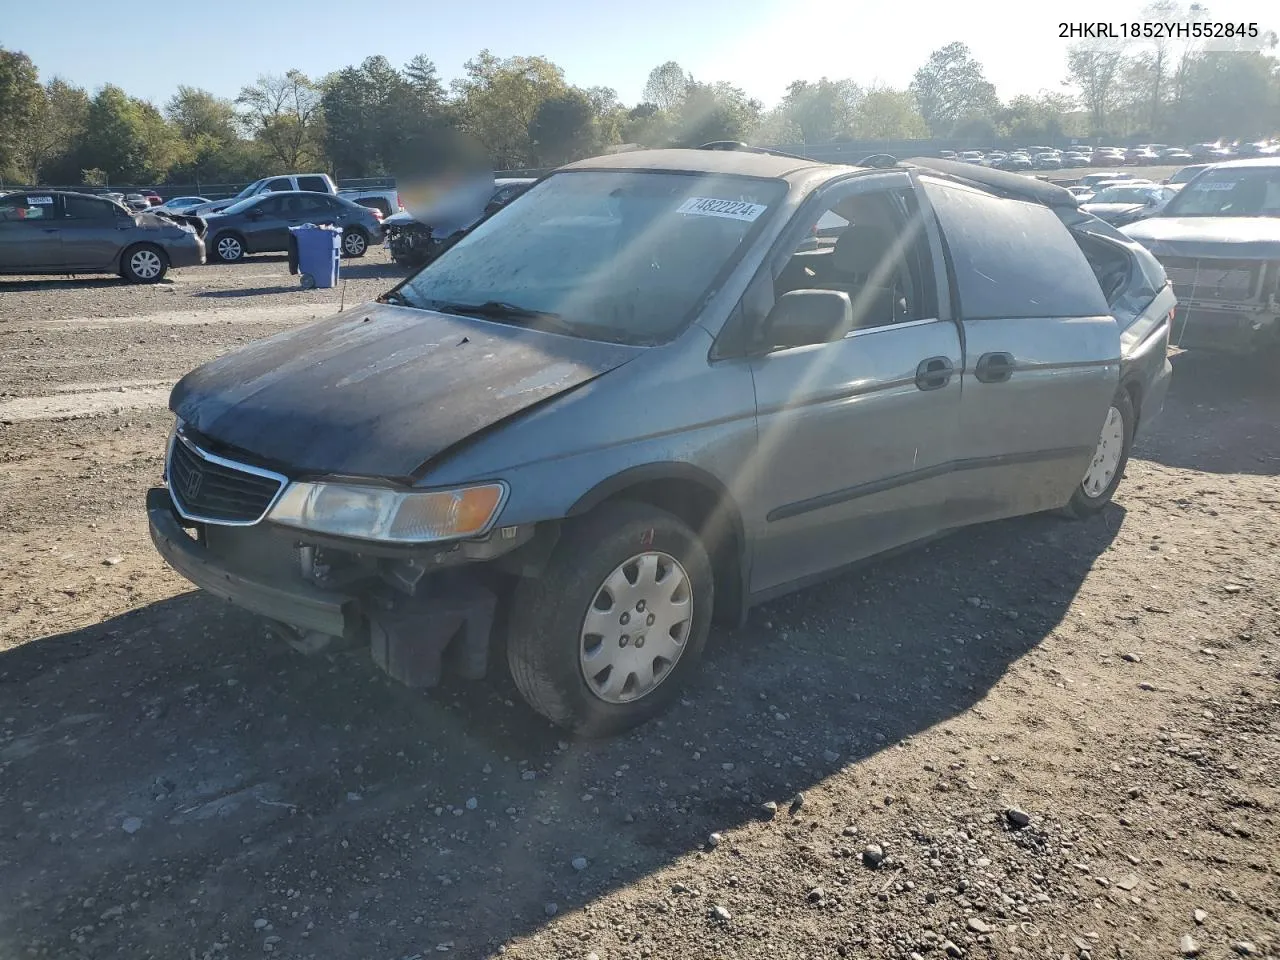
[[319, 253]]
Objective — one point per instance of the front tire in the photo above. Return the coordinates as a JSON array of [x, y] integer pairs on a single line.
[[228, 248], [144, 263], [607, 636], [1110, 457], [355, 242]]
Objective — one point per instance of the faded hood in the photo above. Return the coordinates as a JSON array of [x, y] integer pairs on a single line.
[[380, 390], [1107, 211], [1235, 238]]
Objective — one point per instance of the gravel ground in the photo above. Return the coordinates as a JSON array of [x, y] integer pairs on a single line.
[[1035, 739]]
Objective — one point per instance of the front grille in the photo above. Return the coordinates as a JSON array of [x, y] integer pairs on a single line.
[[1232, 280], [209, 488]]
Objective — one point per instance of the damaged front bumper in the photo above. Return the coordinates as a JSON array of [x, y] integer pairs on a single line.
[[1226, 326], [293, 603], [419, 611]]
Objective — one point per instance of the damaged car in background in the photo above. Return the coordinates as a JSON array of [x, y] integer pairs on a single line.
[[415, 239], [1219, 242], [52, 231], [643, 398]]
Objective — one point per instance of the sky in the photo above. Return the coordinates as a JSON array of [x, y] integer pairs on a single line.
[[759, 45]]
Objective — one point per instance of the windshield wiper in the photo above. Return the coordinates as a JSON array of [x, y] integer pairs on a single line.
[[506, 313]]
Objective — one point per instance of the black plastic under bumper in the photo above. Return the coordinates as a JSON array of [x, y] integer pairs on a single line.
[[294, 603]]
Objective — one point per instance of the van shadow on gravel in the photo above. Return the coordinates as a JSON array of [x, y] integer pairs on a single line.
[[171, 776], [72, 282], [234, 294]]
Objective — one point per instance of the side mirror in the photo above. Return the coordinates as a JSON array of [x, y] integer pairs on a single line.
[[803, 317]]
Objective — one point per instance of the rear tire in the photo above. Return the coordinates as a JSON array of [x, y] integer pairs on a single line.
[[144, 263], [1111, 456], [563, 669]]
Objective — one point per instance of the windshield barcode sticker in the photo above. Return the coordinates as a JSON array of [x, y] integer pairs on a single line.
[[39, 201], [730, 209], [1216, 185]]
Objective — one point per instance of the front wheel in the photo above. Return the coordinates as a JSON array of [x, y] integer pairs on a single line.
[[228, 248], [1110, 457], [144, 263], [609, 633], [354, 242]]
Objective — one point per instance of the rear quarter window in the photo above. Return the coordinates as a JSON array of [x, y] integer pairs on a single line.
[[1012, 258], [315, 184]]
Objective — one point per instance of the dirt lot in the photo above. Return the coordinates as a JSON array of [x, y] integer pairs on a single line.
[[174, 784]]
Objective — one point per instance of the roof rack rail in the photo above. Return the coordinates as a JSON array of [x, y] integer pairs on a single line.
[[748, 148]]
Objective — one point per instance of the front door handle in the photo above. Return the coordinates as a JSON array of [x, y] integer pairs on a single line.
[[994, 367], [934, 373]]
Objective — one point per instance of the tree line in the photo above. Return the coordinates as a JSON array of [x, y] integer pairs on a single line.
[[374, 118]]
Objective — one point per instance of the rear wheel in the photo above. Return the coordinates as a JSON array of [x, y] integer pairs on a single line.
[[609, 633], [354, 242], [1110, 457], [144, 263]]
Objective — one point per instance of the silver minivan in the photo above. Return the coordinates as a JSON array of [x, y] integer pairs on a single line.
[[655, 389]]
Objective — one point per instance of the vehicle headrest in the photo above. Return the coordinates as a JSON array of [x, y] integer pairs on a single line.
[[860, 249]]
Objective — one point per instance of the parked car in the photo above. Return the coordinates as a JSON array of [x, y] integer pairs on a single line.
[[180, 204], [53, 231], [310, 182], [153, 198], [971, 156], [1180, 178], [1202, 152], [136, 202], [1080, 192], [1141, 157], [1106, 158], [412, 242], [1074, 158], [1093, 179], [385, 201], [1048, 161], [1127, 201], [1015, 162], [1257, 148], [473, 440], [947, 154], [1175, 155], [260, 224], [1219, 241]]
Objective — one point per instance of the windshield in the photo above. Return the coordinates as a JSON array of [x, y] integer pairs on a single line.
[[1229, 192], [1185, 174], [621, 256], [242, 206], [1121, 195], [247, 191]]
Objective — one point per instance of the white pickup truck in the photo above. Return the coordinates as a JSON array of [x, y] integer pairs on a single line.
[[385, 201]]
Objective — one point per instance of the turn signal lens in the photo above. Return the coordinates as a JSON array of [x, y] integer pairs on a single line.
[[451, 513]]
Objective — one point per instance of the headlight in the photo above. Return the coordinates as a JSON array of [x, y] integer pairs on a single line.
[[393, 516]]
